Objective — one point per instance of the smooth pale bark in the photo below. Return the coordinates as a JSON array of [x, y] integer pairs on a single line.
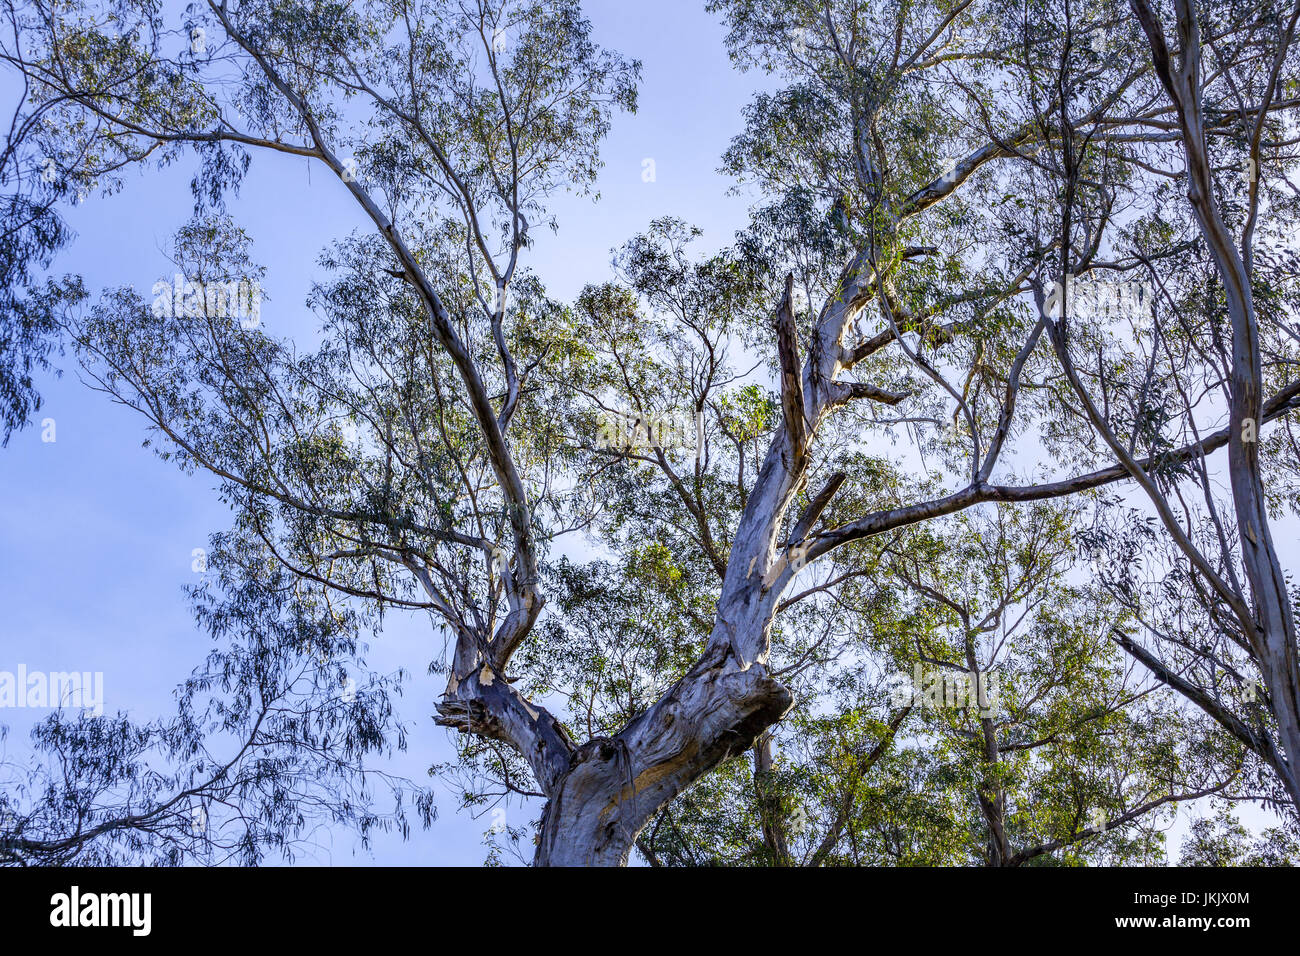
[[727, 700], [1271, 630]]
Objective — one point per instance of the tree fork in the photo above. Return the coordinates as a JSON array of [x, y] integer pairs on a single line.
[[615, 785]]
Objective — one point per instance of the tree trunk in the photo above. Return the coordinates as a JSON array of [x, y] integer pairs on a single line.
[[615, 785], [769, 803], [1271, 628]]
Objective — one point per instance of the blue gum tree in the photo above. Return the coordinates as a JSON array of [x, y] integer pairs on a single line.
[[976, 237]]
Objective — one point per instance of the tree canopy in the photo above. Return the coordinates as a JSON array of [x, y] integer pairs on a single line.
[[932, 520]]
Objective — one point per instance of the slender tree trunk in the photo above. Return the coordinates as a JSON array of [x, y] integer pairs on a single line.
[[1272, 632], [990, 791], [769, 803]]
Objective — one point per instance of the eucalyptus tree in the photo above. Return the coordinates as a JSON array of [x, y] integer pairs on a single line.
[[922, 212], [1223, 841], [1064, 748], [979, 715], [1170, 308], [378, 468], [448, 430], [32, 232]]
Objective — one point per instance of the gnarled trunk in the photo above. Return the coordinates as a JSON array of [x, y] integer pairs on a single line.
[[616, 785]]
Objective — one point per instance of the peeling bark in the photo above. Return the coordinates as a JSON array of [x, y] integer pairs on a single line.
[[617, 784]]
